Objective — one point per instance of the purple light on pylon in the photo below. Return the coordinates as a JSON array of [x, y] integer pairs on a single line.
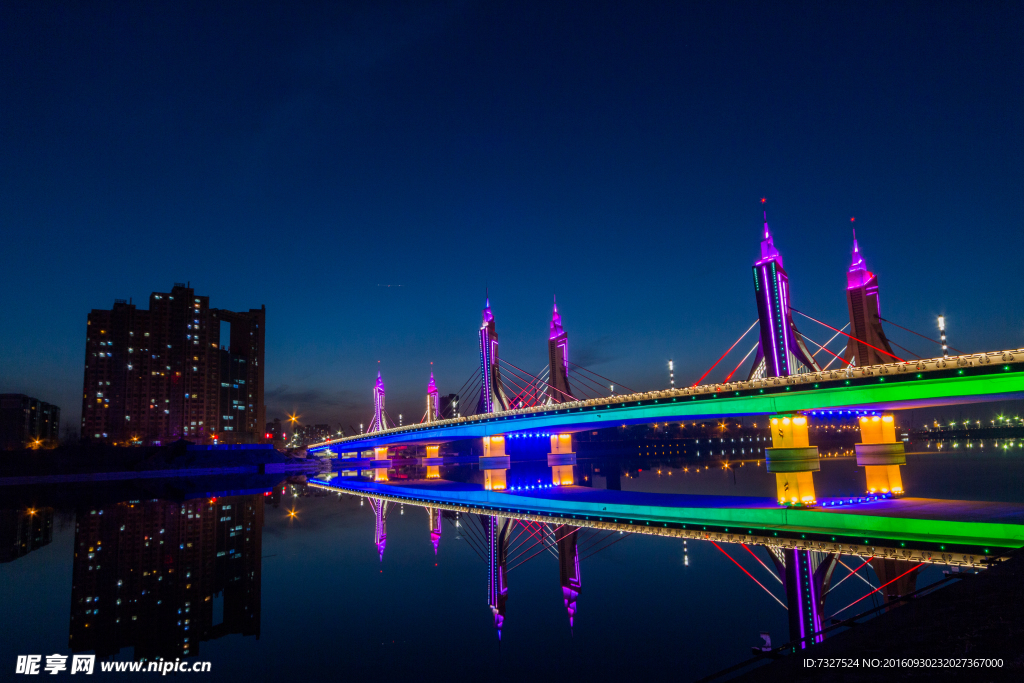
[[556, 323], [858, 275]]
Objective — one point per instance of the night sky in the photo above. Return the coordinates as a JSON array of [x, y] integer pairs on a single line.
[[307, 155]]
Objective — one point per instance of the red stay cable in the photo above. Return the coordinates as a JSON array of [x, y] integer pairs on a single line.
[[848, 335]]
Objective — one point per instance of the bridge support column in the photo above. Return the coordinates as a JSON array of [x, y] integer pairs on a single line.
[[562, 460], [433, 462], [494, 463], [381, 463], [793, 461], [881, 455]]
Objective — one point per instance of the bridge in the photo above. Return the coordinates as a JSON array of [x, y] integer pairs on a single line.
[[785, 383]]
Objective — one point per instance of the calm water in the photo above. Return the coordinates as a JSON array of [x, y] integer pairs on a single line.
[[275, 581]]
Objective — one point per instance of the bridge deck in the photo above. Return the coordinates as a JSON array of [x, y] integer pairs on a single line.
[[942, 526]]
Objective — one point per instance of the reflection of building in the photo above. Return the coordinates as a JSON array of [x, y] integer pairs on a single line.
[[163, 373], [162, 576], [22, 531], [25, 420]]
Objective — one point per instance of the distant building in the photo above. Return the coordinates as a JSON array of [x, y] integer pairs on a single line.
[[274, 430], [26, 422], [449, 406], [308, 434], [163, 374]]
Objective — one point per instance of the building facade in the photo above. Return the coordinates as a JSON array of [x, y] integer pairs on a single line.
[[180, 370], [27, 422]]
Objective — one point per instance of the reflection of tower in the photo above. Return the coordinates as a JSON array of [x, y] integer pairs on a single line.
[[569, 568], [558, 361], [492, 393], [865, 322], [22, 531], [897, 574], [433, 407], [805, 576], [781, 351], [496, 531], [434, 516], [161, 576], [380, 527], [378, 423]]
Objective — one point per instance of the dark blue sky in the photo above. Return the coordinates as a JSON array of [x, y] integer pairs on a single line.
[[303, 154]]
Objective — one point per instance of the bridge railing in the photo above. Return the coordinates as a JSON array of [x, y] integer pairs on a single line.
[[922, 365]]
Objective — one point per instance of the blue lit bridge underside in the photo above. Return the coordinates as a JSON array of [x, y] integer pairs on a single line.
[[935, 382], [913, 529]]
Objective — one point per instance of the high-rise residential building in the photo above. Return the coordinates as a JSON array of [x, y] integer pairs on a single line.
[[180, 370], [27, 422], [163, 576]]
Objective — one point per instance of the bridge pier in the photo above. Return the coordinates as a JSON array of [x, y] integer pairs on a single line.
[[433, 462], [562, 460], [881, 455], [380, 457], [793, 461], [494, 463]]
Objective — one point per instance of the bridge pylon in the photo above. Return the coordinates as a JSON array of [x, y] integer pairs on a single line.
[[492, 391], [496, 531], [558, 361], [434, 518], [781, 351], [869, 340], [562, 460], [880, 454], [380, 527], [569, 568], [805, 576], [793, 461], [433, 407]]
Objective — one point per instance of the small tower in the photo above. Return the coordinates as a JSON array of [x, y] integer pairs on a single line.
[[558, 361], [433, 408], [492, 393], [781, 351], [378, 423], [865, 315]]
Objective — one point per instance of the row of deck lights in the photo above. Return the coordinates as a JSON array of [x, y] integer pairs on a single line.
[[854, 501]]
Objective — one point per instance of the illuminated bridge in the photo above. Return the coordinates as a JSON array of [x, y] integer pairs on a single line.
[[785, 382]]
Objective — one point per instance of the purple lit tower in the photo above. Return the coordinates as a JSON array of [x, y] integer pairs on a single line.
[[781, 351], [496, 531], [433, 408], [492, 393], [380, 528], [569, 568], [558, 361], [434, 517], [378, 423], [865, 315]]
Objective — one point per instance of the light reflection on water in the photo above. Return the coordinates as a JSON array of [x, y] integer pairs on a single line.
[[303, 587]]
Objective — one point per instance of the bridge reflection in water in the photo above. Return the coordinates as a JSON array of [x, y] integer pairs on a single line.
[[799, 549]]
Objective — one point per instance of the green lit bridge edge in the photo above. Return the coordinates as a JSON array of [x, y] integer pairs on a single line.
[[915, 540], [939, 381]]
